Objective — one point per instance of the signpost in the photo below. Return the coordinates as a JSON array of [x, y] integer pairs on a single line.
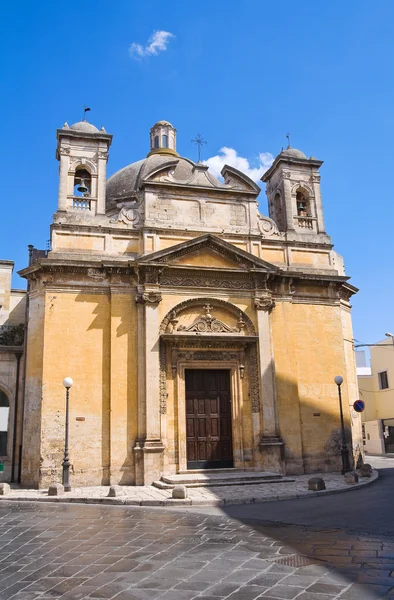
[[359, 406]]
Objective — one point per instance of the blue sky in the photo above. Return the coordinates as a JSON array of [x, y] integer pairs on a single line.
[[242, 74]]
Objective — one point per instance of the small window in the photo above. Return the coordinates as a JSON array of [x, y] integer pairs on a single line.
[[156, 141], [164, 140], [4, 413], [383, 380]]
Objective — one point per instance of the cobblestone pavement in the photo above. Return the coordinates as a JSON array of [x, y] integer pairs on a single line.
[[73, 552], [293, 487]]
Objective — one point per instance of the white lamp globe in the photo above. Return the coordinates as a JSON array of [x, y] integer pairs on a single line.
[[67, 382], [338, 380]]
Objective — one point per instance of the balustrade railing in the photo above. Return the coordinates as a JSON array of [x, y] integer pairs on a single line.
[[81, 203], [305, 222]]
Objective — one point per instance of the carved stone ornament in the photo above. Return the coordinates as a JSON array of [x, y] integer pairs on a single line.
[[128, 216], [205, 324], [254, 385], [267, 226], [264, 303], [149, 298], [170, 321]]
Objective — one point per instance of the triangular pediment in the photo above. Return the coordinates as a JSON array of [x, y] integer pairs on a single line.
[[210, 252]]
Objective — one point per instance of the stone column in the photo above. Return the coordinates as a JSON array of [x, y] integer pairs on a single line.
[[288, 202], [270, 442], [63, 176], [101, 181], [153, 446], [318, 203]]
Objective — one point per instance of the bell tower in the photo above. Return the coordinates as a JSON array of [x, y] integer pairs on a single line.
[[82, 151], [293, 191]]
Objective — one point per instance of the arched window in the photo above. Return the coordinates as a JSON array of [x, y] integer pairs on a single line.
[[156, 141], [4, 413], [82, 183], [164, 141], [302, 204]]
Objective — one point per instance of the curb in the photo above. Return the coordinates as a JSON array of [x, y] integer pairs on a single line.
[[124, 501]]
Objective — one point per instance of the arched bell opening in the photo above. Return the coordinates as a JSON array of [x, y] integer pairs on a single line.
[[82, 183], [303, 203]]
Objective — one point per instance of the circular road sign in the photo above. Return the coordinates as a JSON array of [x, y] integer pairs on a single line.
[[359, 406]]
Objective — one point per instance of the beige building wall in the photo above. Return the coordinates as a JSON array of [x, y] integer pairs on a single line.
[[379, 403]]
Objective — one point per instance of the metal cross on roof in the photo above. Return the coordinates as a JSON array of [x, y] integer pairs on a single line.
[[288, 139], [85, 110], [199, 142]]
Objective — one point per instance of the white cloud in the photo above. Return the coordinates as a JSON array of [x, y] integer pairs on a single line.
[[157, 42], [229, 156]]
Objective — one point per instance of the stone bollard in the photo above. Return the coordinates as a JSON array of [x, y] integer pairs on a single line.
[[56, 489], [365, 470], [113, 492], [4, 489], [316, 484], [351, 477], [179, 492]]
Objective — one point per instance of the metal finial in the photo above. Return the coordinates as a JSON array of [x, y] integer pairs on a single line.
[[288, 139], [199, 142]]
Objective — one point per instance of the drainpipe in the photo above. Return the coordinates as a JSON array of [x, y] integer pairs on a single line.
[[30, 248]]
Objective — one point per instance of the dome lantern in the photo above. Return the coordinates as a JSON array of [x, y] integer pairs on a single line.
[[163, 139]]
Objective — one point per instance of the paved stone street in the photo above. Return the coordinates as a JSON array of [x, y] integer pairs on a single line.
[[133, 553]]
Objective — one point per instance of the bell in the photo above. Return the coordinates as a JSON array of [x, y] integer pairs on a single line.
[[82, 187]]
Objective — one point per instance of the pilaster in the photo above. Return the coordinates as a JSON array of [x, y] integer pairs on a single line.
[[270, 442], [150, 451]]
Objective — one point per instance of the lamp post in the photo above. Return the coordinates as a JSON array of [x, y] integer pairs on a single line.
[[344, 450], [67, 382], [390, 335]]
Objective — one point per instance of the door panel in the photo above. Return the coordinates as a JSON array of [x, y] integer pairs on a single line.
[[208, 419]]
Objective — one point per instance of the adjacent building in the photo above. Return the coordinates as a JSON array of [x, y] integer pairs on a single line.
[[12, 325], [376, 388]]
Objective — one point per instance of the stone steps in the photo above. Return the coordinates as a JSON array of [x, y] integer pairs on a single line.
[[216, 477]]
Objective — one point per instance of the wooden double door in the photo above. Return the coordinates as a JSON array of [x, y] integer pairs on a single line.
[[208, 419]]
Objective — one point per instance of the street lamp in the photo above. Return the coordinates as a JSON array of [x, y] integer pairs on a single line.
[[344, 450], [390, 335], [67, 382]]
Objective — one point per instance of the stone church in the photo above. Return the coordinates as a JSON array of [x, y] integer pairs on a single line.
[[199, 333]]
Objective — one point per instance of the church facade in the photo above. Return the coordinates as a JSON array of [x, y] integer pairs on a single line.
[[199, 333]]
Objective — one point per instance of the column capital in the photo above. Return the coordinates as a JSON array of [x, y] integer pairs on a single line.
[[149, 298]]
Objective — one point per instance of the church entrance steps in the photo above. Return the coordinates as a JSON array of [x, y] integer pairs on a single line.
[[219, 477]]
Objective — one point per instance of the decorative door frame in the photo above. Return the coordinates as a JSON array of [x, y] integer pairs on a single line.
[[236, 403]]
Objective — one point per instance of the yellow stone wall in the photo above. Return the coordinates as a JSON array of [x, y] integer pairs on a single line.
[[309, 352], [91, 338]]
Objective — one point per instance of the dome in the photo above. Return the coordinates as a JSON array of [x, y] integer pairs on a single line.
[[167, 123], [85, 127], [293, 153], [123, 184]]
